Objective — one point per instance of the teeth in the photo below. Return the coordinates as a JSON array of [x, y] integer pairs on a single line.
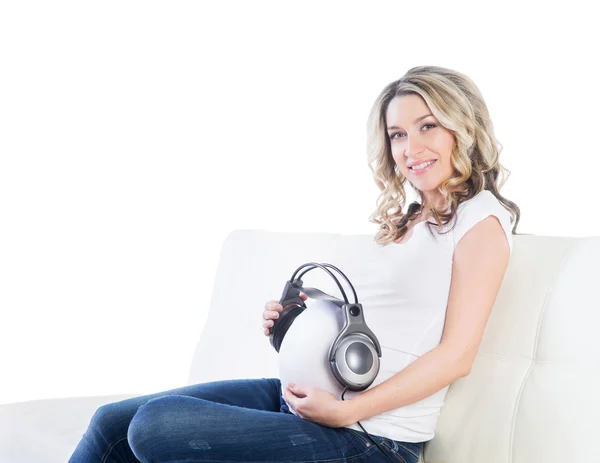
[[422, 166]]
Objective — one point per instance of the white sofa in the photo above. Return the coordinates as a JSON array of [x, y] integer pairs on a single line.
[[532, 395]]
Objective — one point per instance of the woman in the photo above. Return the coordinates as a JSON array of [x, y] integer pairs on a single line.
[[431, 128]]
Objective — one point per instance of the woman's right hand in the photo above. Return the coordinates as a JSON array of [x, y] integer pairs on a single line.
[[272, 311]]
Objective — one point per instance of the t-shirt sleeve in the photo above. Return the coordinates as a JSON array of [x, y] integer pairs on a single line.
[[478, 208]]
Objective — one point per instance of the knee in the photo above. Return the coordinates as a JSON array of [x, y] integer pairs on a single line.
[[140, 428], [105, 416], [150, 425], [105, 428]]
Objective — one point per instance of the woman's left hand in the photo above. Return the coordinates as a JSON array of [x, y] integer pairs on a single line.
[[316, 405]]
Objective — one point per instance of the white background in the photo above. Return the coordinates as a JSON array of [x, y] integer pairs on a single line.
[[134, 136]]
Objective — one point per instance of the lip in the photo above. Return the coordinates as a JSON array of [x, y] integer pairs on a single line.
[[422, 171], [420, 161]]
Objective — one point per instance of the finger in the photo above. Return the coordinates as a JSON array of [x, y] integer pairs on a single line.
[[276, 308], [268, 314], [287, 398]]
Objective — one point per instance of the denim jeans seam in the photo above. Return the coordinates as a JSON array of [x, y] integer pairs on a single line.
[[390, 450], [110, 447], [407, 449], [348, 459], [366, 441]]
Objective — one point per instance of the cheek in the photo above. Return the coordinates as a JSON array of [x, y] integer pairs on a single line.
[[446, 145], [398, 159]]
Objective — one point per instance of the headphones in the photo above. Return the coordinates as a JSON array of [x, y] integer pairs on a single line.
[[354, 354]]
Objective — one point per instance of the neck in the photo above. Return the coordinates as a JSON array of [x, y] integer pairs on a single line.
[[432, 197]]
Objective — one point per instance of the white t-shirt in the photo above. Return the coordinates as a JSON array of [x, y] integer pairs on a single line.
[[404, 289]]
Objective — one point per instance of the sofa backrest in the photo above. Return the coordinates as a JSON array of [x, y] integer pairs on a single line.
[[532, 394]]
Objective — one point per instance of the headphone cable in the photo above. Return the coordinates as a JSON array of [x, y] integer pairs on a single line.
[[361, 427]]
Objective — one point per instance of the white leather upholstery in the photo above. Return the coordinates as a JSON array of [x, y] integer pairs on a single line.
[[531, 397], [533, 392]]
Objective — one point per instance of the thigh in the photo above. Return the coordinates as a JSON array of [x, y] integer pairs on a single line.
[[261, 394], [184, 428], [106, 436]]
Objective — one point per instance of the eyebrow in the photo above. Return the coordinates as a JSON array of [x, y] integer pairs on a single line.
[[414, 122]]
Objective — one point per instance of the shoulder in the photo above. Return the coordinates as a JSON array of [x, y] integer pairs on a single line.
[[479, 263], [495, 219]]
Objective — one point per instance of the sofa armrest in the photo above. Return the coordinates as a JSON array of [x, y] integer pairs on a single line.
[[47, 430]]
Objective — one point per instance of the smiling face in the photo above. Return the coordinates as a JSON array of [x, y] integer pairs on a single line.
[[414, 139]]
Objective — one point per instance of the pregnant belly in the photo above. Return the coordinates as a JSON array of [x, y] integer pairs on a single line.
[[303, 356]]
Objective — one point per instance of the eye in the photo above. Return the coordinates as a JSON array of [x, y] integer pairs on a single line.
[[400, 133]]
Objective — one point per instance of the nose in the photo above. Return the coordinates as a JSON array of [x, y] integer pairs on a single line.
[[413, 146]]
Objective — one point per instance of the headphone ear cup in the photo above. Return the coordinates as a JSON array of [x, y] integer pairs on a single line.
[[355, 363], [282, 324]]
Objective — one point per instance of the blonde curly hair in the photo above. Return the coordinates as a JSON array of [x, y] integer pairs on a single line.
[[458, 105]]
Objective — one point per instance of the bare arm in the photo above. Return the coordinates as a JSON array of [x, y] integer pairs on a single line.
[[480, 262]]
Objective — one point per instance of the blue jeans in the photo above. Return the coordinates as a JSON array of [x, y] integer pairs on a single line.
[[224, 421]]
